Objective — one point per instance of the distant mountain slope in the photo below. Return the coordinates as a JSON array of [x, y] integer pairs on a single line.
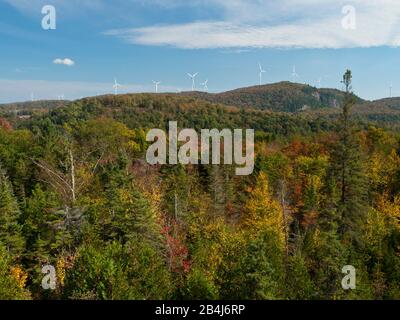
[[152, 109], [281, 97], [156, 110], [30, 106], [388, 103]]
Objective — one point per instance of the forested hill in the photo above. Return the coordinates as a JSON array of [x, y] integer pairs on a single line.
[[389, 103], [278, 97], [155, 110], [29, 107], [282, 96], [277, 107]]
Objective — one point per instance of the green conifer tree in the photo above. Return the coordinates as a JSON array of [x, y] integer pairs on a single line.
[[348, 171], [10, 228]]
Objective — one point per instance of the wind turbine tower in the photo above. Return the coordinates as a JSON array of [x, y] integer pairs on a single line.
[[204, 84], [193, 76], [116, 86], [294, 74], [157, 83], [261, 73]]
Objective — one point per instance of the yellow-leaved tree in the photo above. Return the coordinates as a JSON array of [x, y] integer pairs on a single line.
[[265, 213]]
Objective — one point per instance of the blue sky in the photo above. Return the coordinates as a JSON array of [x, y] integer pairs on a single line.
[[137, 41]]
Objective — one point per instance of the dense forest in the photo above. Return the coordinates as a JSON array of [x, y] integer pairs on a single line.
[[76, 193]]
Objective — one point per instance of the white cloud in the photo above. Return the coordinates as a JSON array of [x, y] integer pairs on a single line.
[[283, 24], [67, 62], [245, 23]]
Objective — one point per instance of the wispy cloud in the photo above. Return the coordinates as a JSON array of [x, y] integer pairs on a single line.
[[66, 62], [292, 24], [238, 24]]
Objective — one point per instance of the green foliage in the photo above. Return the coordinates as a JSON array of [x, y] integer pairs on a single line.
[[252, 269], [199, 286], [10, 228], [121, 272], [327, 256], [299, 282], [42, 226]]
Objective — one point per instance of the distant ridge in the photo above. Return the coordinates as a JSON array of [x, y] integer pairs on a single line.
[[33, 105], [280, 97]]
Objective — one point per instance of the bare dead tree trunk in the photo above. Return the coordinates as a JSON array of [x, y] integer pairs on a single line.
[[72, 163], [63, 182]]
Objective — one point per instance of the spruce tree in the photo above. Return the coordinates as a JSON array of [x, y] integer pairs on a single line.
[[10, 229], [348, 171]]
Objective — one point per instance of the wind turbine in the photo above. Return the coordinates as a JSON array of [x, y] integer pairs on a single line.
[[261, 72], [294, 74], [116, 86], [32, 97], [390, 90], [193, 76], [204, 84], [157, 83]]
